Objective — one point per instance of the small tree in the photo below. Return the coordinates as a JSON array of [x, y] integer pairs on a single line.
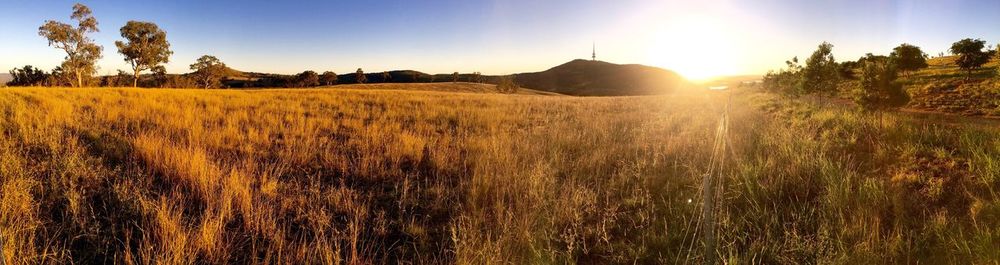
[[147, 47], [820, 74], [360, 77], [878, 89], [307, 79], [81, 51], [506, 84], [908, 58], [209, 71], [454, 77], [328, 78], [970, 55]]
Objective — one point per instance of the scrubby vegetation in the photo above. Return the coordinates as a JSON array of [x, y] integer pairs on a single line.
[[361, 176]]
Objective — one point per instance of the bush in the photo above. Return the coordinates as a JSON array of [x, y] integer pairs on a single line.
[[785, 81], [507, 85]]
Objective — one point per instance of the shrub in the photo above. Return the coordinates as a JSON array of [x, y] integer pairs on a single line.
[[507, 85]]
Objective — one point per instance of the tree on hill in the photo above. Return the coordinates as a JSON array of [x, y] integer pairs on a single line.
[[454, 77], [908, 58], [81, 51], [820, 74], [970, 55], [328, 78], [307, 79], [878, 89], [209, 71], [147, 47], [360, 77]]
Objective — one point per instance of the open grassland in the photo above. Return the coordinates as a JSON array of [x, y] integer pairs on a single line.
[[463, 87], [368, 176], [943, 87]]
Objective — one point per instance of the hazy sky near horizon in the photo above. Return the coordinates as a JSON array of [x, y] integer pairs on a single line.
[[696, 38]]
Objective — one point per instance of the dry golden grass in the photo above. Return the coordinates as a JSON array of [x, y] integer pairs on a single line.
[[389, 176]]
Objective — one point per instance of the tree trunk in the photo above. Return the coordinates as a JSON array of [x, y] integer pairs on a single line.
[[135, 78], [79, 79]]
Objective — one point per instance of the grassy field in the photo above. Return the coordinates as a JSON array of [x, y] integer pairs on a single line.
[[943, 87], [354, 176]]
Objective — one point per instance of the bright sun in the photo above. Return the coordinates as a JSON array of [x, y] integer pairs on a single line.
[[696, 47]]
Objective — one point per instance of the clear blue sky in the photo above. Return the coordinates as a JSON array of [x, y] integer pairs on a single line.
[[497, 37]]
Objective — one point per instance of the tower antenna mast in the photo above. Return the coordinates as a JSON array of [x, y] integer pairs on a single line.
[[593, 52]]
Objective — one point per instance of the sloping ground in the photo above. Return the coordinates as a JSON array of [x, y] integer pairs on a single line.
[[462, 87], [943, 87], [957, 96], [597, 78]]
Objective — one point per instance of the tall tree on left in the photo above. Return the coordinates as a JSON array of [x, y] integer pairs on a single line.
[[145, 47], [81, 52]]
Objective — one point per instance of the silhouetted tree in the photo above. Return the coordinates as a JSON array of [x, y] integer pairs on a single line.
[[208, 71], [146, 47], [477, 77], [386, 77], [820, 73], [307, 79], [878, 89], [454, 77], [27, 76], [908, 58], [81, 51], [970, 54], [328, 78], [159, 76], [359, 76]]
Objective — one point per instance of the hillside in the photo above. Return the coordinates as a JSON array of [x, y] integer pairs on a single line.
[[946, 88], [597, 78], [577, 77], [4, 78], [461, 87]]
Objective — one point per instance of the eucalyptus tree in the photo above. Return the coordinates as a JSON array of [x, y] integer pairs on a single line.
[[81, 51], [145, 47]]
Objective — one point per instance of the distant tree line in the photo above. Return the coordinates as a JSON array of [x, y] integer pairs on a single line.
[[146, 49], [877, 85]]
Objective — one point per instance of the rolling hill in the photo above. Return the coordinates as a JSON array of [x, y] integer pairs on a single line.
[[577, 78], [597, 78], [4, 78]]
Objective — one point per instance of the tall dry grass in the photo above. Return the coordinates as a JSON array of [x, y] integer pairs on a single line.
[[357, 177]]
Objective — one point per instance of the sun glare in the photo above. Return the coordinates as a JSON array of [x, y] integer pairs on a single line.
[[696, 47]]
